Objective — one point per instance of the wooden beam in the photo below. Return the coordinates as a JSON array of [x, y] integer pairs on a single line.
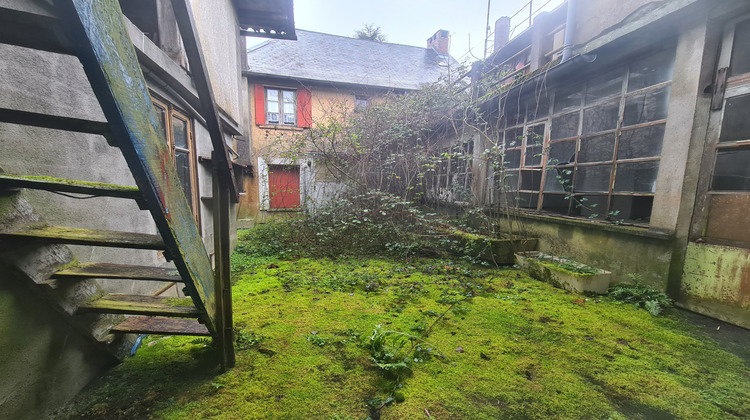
[[93, 237], [69, 186], [118, 271], [54, 122], [116, 303], [157, 325], [31, 30], [210, 113]]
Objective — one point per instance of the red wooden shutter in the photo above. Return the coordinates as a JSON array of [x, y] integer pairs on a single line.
[[260, 105], [304, 108]]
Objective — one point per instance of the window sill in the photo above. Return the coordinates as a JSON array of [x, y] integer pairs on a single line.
[[281, 127], [627, 229]]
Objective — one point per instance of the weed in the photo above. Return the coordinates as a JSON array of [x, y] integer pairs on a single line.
[[641, 296], [245, 339]]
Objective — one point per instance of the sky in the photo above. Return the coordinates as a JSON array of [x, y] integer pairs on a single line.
[[411, 22]]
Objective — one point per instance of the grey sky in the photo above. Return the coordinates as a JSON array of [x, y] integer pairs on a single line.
[[411, 22]]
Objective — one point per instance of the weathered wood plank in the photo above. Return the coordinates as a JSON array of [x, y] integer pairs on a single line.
[[118, 271], [55, 122], [161, 326], [110, 62], [32, 30], [68, 185], [93, 237], [140, 305]]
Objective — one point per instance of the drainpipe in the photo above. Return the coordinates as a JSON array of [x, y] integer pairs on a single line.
[[567, 50]]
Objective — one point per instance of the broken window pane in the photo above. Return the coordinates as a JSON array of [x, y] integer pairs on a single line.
[[604, 86], [513, 137], [641, 142], [590, 206], [736, 123], [732, 171], [639, 177], [601, 117], [558, 180], [531, 180], [512, 159], [651, 70], [597, 149], [647, 107], [740, 52], [564, 126], [568, 97], [556, 203], [631, 209], [593, 178], [561, 152]]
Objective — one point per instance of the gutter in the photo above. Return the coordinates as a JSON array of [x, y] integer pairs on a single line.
[[570, 15]]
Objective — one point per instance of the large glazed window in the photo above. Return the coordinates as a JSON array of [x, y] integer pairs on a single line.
[[595, 150]]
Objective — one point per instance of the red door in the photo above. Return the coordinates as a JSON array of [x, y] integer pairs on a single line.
[[283, 186]]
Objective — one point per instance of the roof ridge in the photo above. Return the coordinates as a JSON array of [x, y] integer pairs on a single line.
[[362, 40]]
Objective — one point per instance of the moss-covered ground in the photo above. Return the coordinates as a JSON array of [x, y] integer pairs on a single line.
[[510, 348]]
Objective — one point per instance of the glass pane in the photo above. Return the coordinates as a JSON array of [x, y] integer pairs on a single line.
[[561, 152], [647, 107], [604, 86], [180, 132], [272, 94], [555, 203], [736, 123], [531, 180], [182, 160], [732, 172], [651, 70], [740, 51], [641, 142], [535, 135], [289, 119], [273, 117], [512, 159], [593, 178], [631, 209], [639, 177], [511, 180], [567, 98], [597, 149], [558, 180], [538, 107], [161, 120], [289, 108], [527, 200], [288, 96], [564, 126], [272, 106], [533, 156], [591, 206], [601, 117], [513, 137]]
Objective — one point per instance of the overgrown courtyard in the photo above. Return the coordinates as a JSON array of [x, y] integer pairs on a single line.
[[403, 338]]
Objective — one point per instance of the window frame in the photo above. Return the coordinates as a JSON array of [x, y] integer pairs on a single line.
[[171, 111], [280, 101]]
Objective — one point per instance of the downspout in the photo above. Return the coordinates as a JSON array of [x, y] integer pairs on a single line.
[[567, 50]]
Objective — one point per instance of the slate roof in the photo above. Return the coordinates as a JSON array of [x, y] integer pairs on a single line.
[[338, 59]]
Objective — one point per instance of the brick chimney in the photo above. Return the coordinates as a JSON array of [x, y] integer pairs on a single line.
[[502, 33], [440, 42]]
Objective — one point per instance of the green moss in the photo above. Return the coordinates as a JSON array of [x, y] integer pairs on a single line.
[[179, 301], [73, 182], [518, 349]]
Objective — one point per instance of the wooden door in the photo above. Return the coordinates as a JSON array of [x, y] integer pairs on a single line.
[[283, 186]]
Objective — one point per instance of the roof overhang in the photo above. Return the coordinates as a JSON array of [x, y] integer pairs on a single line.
[[266, 18]]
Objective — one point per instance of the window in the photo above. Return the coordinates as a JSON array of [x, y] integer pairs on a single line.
[[593, 150], [361, 102], [453, 175], [282, 106], [177, 130]]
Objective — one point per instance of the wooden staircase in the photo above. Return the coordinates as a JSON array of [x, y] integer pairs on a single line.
[[94, 31]]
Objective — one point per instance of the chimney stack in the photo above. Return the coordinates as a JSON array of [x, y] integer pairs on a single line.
[[440, 42], [502, 33]]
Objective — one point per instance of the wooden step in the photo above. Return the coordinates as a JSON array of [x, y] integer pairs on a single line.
[[31, 30], [141, 305], [55, 122], [94, 237], [118, 271], [161, 326], [67, 185]]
